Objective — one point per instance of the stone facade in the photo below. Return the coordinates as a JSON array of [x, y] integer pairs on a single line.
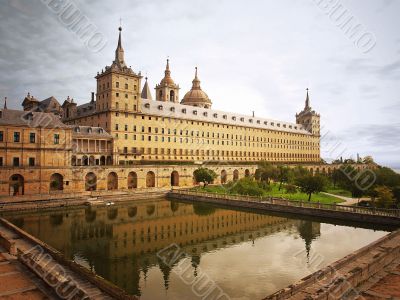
[[122, 139]]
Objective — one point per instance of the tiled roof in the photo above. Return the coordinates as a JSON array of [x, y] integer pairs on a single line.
[[88, 131], [30, 119]]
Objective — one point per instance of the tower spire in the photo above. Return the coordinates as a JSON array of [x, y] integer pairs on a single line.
[[167, 70], [119, 52], [196, 81], [307, 106]]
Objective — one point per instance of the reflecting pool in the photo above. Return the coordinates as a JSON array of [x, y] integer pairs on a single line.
[[247, 255]]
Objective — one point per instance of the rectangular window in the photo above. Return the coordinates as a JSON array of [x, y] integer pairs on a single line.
[[16, 162], [117, 84], [17, 137], [1, 161], [32, 138], [56, 139], [31, 161], [1, 136]]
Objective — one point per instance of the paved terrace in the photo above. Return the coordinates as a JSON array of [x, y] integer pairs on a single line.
[[342, 212], [47, 268]]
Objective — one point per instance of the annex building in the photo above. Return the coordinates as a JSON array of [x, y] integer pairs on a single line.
[[126, 138]]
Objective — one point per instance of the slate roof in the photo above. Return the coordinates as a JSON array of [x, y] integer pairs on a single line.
[[30, 119], [89, 132]]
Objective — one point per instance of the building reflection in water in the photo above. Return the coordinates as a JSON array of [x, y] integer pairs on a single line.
[[120, 242]]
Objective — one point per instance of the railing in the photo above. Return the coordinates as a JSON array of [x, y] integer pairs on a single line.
[[294, 203]]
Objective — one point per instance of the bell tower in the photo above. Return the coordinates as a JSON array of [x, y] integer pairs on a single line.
[[309, 119], [167, 90], [118, 86]]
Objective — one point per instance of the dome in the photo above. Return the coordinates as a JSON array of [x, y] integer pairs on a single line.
[[167, 80], [196, 96]]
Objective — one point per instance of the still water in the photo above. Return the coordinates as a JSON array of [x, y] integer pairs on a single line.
[[247, 255]]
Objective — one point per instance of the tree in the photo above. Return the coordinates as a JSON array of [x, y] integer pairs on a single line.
[[291, 189], [368, 160], [385, 197], [204, 175], [265, 172], [311, 184], [396, 194], [247, 186], [283, 175]]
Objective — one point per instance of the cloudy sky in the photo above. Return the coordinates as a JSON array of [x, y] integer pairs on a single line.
[[254, 55]]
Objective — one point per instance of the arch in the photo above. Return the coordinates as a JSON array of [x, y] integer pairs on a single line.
[[109, 160], [150, 179], [150, 209], [235, 175], [92, 161], [172, 96], [112, 213], [132, 180], [132, 211], [90, 181], [102, 160], [312, 171], [174, 178], [56, 182], [90, 215], [85, 160], [112, 181], [73, 160], [16, 185], [224, 177], [247, 173]]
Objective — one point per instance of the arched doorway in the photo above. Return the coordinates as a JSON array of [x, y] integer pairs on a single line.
[[247, 173], [224, 177], [109, 160], [16, 185], [235, 175], [132, 180], [150, 179], [92, 161], [85, 160], [174, 178], [102, 160], [56, 182], [90, 182], [112, 181]]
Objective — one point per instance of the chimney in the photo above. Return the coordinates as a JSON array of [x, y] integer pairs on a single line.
[[92, 97]]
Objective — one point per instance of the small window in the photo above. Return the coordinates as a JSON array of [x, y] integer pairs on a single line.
[[184, 110], [265, 123], [17, 137], [234, 118], [205, 114], [16, 162], [251, 120], [225, 117], [31, 161], [117, 84], [172, 109], [215, 115], [147, 105], [1, 136], [242, 119], [160, 107], [258, 122], [1, 161], [56, 139], [195, 112], [32, 138]]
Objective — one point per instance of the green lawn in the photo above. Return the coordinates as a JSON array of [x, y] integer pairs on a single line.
[[339, 192], [276, 193]]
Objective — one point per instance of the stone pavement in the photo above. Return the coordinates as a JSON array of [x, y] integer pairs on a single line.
[[17, 282]]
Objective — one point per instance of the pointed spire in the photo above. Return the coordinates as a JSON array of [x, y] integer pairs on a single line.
[[167, 70], [5, 102], [196, 82], [119, 52], [146, 94], [307, 107]]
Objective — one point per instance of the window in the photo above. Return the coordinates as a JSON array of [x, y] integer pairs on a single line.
[[16, 162], [1, 161], [56, 139], [117, 84], [32, 138], [126, 86], [1, 136], [17, 137], [31, 161], [117, 94]]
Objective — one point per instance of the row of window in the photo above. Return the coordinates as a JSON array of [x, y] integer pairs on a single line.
[[117, 85], [17, 163], [192, 152], [32, 137]]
